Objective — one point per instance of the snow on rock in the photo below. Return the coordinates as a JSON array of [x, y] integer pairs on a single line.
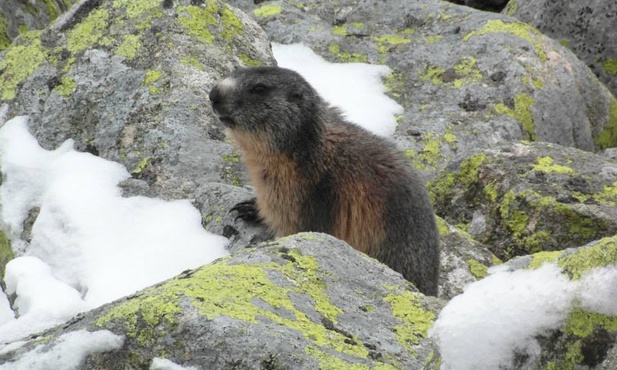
[[68, 352], [503, 313], [165, 364], [355, 88], [89, 244]]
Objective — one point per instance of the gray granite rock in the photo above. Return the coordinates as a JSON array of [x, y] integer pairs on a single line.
[[305, 302], [588, 28], [531, 197]]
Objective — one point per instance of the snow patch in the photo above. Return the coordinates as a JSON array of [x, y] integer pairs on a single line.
[[89, 244], [165, 364], [355, 88], [69, 351]]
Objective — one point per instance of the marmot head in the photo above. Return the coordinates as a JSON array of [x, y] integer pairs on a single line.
[[267, 99]]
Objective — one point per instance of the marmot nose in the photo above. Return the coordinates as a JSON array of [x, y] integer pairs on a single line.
[[215, 95]]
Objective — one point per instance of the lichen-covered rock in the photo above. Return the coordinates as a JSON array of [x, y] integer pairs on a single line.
[[524, 198], [129, 81], [463, 260], [466, 78], [588, 28], [215, 200], [6, 254], [304, 302], [587, 339], [18, 17]]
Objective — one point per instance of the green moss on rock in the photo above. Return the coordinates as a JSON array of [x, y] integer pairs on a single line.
[[416, 320], [346, 57], [66, 87], [522, 113], [385, 42], [6, 253], [191, 61], [466, 71], [232, 26], [197, 20], [5, 41], [601, 254], [135, 9], [608, 137], [267, 11], [433, 74], [540, 258], [89, 32], [518, 29], [477, 269], [248, 61], [610, 66], [19, 62], [545, 164], [129, 47]]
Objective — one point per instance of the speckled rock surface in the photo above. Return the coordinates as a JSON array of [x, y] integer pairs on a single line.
[[304, 302], [587, 339], [18, 16], [128, 81], [463, 260], [588, 28], [525, 198], [466, 78]]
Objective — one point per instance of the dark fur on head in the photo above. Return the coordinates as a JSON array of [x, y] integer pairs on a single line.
[[271, 100]]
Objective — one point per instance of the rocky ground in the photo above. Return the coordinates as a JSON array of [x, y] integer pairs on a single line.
[[513, 132]]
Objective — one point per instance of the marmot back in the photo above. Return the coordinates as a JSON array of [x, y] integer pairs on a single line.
[[314, 171]]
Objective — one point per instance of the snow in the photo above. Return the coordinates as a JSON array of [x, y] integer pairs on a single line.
[[68, 352], [165, 364], [355, 88], [504, 312], [598, 291], [89, 244]]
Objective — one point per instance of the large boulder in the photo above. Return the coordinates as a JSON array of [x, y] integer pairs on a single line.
[[588, 28], [466, 78], [304, 302], [524, 198], [128, 81]]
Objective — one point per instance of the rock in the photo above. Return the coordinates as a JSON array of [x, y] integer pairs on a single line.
[[466, 78], [129, 82], [17, 16], [304, 302], [588, 338], [487, 5], [588, 28], [531, 197], [215, 200], [463, 260]]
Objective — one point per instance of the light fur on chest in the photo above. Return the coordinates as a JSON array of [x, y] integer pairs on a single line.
[[276, 181]]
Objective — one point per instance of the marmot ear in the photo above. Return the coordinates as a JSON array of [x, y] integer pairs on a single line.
[[295, 96]]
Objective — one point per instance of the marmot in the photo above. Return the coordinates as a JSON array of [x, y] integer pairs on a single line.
[[314, 171]]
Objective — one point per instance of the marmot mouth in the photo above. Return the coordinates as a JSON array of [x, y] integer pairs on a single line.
[[227, 121]]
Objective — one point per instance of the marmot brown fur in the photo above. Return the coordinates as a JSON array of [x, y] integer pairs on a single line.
[[314, 171]]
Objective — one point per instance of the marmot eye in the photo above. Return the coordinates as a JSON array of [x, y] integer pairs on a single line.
[[258, 89]]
